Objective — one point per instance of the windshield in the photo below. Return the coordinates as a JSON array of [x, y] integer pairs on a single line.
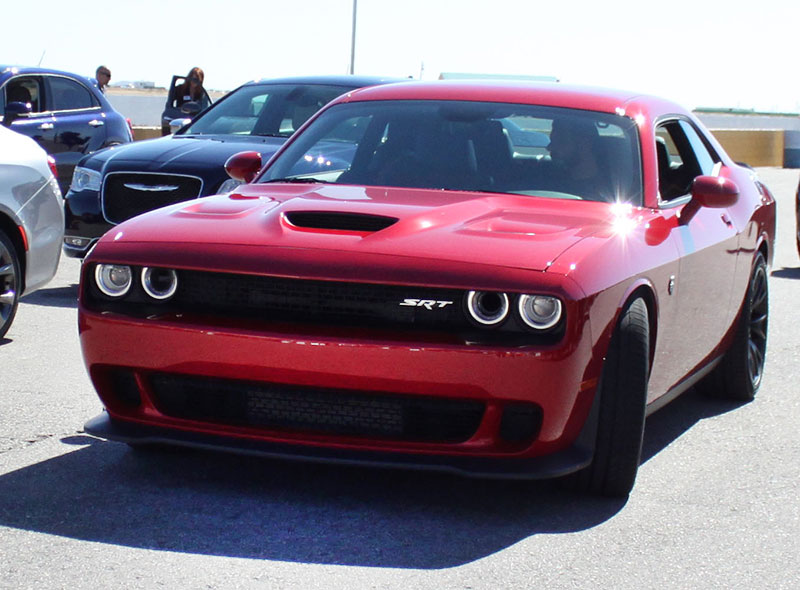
[[265, 109], [474, 146]]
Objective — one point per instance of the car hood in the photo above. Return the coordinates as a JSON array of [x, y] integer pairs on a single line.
[[334, 225], [181, 153]]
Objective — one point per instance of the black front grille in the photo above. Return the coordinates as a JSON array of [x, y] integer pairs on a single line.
[[128, 194], [329, 411], [276, 298], [403, 309]]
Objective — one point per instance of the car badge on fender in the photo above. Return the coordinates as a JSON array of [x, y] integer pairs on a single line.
[[156, 188], [428, 304]]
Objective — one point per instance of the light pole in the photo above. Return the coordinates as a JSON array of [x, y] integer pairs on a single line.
[[353, 40]]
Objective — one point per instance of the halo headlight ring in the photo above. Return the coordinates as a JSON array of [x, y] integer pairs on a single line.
[[487, 308], [540, 312], [159, 283], [113, 280]]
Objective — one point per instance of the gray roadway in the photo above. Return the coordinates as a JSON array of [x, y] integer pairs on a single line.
[[716, 505]]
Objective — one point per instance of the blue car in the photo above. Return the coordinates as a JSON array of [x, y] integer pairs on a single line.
[[65, 113], [111, 186]]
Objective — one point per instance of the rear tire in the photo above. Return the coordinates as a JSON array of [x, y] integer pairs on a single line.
[[623, 396], [739, 374], [10, 283]]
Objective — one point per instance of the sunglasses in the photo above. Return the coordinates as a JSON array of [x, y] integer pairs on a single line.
[[195, 80], [105, 74]]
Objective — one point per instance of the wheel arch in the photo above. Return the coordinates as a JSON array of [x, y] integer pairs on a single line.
[[11, 229]]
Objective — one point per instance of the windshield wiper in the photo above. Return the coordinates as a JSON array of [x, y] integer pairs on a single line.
[[297, 180]]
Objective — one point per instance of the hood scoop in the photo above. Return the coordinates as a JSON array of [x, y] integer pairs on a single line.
[[335, 220]]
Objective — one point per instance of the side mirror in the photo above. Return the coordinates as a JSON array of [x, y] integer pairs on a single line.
[[14, 110], [191, 108], [714, 192], [243, 166], [177, 124]]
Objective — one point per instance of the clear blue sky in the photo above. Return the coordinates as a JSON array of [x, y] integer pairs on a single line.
[[700, 53]]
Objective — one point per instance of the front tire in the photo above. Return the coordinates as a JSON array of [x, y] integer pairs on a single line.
[[10, 283], [623, 397]]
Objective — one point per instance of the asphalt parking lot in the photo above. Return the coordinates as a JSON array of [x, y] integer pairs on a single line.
[[715, 505]]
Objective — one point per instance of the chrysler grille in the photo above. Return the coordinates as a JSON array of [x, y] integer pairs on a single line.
[[128, 194]]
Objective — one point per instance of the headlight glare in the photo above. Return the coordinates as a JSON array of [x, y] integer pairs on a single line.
[[113, 280], [84, 179], [488, 308], [540, 312], [159, 283]]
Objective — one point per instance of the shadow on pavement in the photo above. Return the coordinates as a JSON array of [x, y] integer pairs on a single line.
[[786, 273], [55, 297], [215, 504]]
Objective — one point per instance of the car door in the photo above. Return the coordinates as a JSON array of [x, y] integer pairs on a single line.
[[78, 120], [707, 242], [39, 124]]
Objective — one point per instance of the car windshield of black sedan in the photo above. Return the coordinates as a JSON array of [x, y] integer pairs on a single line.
[[264, 109], [470, 146]]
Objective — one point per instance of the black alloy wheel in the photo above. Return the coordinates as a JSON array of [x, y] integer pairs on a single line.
[[738, 375]]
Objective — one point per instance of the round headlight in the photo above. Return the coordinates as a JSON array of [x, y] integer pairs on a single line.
[[113, 279], [487, 307], [159, 283], [540, 312]]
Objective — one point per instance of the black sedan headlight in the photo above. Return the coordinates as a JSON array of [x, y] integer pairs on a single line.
[[85, 179]]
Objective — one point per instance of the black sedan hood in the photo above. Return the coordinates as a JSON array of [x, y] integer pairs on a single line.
[[181, 153]]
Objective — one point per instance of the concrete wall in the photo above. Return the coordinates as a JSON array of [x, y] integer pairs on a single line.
[[757, 147]]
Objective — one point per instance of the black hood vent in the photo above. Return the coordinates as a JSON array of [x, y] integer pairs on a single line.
[[339, 221]]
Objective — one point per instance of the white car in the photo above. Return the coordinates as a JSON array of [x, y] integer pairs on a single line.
[[31, 221]]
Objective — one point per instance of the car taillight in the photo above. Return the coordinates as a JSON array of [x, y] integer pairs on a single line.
[[52, 163], [130, 128]]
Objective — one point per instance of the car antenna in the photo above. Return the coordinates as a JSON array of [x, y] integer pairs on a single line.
[[41, 58]]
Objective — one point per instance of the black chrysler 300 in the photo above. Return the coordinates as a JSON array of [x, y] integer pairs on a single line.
[[115, 184]]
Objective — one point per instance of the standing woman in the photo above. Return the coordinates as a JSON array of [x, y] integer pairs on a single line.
[[192, 89]]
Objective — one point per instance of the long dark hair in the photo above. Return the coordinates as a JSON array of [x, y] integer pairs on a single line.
[[186, 88]]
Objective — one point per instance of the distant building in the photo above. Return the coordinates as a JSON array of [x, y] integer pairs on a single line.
[[467, 76], [136, 84]]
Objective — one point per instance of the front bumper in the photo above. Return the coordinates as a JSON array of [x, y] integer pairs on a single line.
[[569, 460], [84, 223]]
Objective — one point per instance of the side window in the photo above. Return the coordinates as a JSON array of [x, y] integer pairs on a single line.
[[706, 158], [24, 89], [68, 95], [678, 163]]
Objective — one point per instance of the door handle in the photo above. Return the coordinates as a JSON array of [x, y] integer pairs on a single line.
[[727, 220], [45, 126], [96, 123]]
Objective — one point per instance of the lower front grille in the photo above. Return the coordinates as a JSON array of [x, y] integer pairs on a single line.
[[128, 194], [329, 411]]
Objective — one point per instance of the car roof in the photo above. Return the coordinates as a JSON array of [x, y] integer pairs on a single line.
[[538, 93], [6, 70], [340, 80]]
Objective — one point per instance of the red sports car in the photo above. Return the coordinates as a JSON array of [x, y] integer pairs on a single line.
[[417, 279]]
